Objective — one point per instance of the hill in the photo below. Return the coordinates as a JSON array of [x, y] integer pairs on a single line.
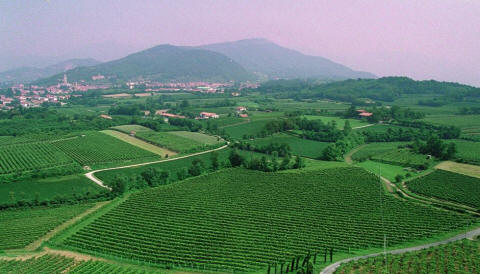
[[269, 60], [28, 74], [163, 63]]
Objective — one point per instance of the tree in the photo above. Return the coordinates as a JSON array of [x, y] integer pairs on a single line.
[[299, 162], [285, 164], [347, 128], [235, 158], [214, 159], [398, 178], [182, 174], [196, 168]]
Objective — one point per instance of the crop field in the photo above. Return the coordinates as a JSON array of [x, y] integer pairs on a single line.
[[176, 142], [468, 151], [373, 149], [298, 146], [47, 263], [198, 137], [20, 227], [128, 128], [251, 129], [339, 121], [97, 147], [403, 157], [139, 143], [448, 186], [465, 169], [385, 170], [241, 220], [458, 257], [25, 157], [462, 121], [47, 189]]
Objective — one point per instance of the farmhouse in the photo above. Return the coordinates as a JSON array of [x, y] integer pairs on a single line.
[[207, 115], [240, 109], [364, 113], [105, 116]]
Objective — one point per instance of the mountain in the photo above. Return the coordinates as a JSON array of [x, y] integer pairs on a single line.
[[28, 74], [163, 63], [269, 60]]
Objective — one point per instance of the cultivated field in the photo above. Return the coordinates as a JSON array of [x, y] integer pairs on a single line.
[[198, 137], [20, 227], [298, 146], [448, 186], [129, 128], [374, 149], [458, 257], [180, 142], [96, 147], [240, 220], [403, 157], [468, 151], [139, 143], [465, 169]]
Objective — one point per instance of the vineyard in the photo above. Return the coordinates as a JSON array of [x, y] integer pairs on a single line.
[[176, 142], [458, 257], [373, 149], [96, 147], [241, 220], [468, 151], [298, 146], [25, 157], [19, 228], [448, 186], [403, 157], [60, 264]]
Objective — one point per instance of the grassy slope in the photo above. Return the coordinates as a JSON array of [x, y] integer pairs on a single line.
[[139, 143]]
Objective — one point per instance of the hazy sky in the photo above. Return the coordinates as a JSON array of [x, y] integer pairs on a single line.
[[423, 39]]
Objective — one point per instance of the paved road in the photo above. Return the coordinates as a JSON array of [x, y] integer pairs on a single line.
[[467, 235], [90, 175]]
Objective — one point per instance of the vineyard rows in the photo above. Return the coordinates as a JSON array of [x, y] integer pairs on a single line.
[[459, 257], [96, 147], [448, 186], [59, 264], [19, 228], [243, 220], [24, 157]]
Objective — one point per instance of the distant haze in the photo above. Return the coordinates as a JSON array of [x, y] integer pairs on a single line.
[[423, 39]]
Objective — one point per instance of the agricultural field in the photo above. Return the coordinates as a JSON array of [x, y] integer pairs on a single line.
[[48, 189], [403, 157], [179, 142], [163, 152], [373, 149], [448, 186], [129, 128], [198, 137], [387, 171], [20, 227], [33, 156], [468, 151], [241, 220], [250, 129], [298, 146], [465, 169], [46, 263], [96, 147], [340, 122], [458, 257]]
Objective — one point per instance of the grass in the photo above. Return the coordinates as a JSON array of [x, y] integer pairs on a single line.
[[298, 146], [48, 188], [198, 137], [128, 128], [385, 170], [139, 143], [339, 121], [374, 149], [20, 227], [465, 169], [403, 157], [252, 128]]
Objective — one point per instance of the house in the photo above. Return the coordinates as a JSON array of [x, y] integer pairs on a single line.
[[104, 116], [132, 133], [243, 115], [207, 115], [365, 114], [241, 109]]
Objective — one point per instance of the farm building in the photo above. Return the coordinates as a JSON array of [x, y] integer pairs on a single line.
[[240, 109], [207, 115]]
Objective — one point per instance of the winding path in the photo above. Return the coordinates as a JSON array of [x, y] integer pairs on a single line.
[[467, 235], [90, 175]]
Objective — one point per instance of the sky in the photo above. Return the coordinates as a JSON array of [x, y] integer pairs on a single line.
[[422, 39]]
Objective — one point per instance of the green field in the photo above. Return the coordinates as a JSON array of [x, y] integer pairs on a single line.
[[250, 129], [59, 264], [48, 189], [197, 137], [163, 152], [458, 257], [242, 220], [298, 146], [179, 141], [21, 227], [448, 186], [33, 156], [403, 157], [468, 151], [96, 147], [385, 170], [340, 122], [129, 128], [368, 151]]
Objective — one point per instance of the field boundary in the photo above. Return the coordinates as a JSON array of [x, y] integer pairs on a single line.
[[466, 235]]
